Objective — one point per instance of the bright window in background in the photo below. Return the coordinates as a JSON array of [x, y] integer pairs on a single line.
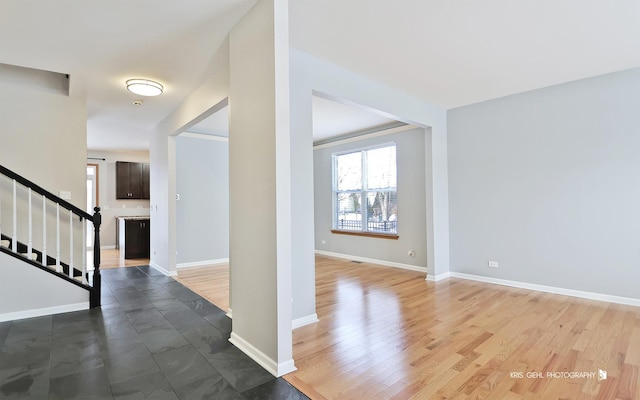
[[365, 196], [92, 198]]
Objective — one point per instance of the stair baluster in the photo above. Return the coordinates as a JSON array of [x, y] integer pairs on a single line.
[[0, 209], [84, 250], [44, 231], [30, 229], [70, 244], [58, 265], [14, 240]]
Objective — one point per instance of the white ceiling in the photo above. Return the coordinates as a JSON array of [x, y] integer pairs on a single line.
[[459, 52], [101, 44], [450, 53]]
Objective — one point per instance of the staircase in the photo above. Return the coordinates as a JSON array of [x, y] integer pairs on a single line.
[[49, 233]]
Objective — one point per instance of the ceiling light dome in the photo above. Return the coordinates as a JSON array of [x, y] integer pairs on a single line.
[[144, 87]]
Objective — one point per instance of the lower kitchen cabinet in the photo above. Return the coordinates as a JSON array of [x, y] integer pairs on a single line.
[[134, 237]]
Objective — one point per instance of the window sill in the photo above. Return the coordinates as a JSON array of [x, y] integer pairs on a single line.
[[392, 236]]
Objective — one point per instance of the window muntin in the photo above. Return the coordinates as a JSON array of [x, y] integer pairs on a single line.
[[365, 195]]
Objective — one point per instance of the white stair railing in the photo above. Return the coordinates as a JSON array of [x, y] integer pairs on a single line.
[[19, 218]]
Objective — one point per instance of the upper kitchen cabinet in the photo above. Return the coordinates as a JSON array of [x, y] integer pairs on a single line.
[[132, 180]]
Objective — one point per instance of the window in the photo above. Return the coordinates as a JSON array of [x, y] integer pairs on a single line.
[[365, 196]]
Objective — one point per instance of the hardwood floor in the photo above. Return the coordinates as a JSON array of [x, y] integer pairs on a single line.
[[385, 333], [110, 258], [388, 333], [210, 282]]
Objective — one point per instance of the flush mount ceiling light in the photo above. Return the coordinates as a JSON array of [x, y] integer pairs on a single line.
[[144, 87]]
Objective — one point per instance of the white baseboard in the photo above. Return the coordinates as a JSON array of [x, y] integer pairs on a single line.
[[229, 313], [550, 289], [303, 321], [162, 270], [40, 312], [266, 362], [111, 247], [373, 261], [204, 263], [439, 277]]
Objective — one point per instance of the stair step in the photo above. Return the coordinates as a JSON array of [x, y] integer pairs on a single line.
[[34, 256], [5, 243]]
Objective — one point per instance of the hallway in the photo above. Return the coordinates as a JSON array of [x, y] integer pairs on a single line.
[[153, 338]]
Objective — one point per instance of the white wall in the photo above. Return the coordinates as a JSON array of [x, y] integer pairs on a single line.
[[412, 231], [110, 207], [546, 182], [43, 138], [26, 291], [260, 174], [202, 213], [34, 79]]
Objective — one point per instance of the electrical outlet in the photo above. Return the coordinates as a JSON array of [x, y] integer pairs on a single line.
[[493, 264], [324, 242], [411, 253]]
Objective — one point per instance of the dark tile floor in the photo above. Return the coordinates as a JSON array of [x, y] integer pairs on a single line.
[[152, 339]]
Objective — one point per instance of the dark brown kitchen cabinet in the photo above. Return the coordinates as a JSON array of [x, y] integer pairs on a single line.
[[132, 180], [134, 237], [145, 181]]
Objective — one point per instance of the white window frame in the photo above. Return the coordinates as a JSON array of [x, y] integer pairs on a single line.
[[364, 228]]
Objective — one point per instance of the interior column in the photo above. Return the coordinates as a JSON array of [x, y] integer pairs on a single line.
[[260, 249]]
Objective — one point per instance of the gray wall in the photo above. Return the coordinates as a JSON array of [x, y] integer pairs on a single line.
[[202, 213], [412, 230], [547, 183], [162, 157], [311, 75]]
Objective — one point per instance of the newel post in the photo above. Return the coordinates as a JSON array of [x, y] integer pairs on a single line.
[[97, 279]]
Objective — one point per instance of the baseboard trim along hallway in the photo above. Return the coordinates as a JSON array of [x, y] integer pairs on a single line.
[[203, 264], [304, 321], [162, 270], [549, 289], [373, 261], [258, 356], [40, 312]]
